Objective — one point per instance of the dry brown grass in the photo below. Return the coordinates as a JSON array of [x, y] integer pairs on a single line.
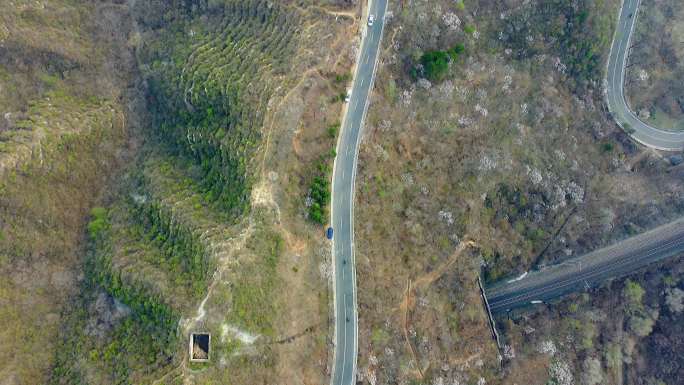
[[505, 152], [295, 135], [62, 137]]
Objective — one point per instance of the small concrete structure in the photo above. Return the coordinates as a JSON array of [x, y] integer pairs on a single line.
[[199, 347]]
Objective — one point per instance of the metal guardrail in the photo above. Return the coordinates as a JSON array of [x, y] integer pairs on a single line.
[[492, 324]]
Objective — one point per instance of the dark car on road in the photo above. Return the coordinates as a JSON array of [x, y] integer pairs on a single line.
[[329, 233]]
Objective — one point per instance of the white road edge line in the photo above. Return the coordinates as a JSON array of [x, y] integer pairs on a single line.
[[345, 112], [353, 189], [353, 181], [621, 92]]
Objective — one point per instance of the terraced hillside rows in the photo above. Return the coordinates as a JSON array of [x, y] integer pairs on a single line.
[[191, 239], [66, 77], [210, 85], [150, 263]]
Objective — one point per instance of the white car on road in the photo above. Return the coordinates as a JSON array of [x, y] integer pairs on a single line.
[[371, 20]]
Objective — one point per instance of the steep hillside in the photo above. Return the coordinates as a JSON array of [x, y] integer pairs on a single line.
[[64, 71], [488, 150], [199, 235], [652, 85]]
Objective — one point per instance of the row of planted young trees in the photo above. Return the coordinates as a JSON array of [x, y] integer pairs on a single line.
[[147, 337], [208, 83], [209, 92], [183, 253], [319, 190]]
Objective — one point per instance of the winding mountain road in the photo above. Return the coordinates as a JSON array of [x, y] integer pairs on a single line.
[[342, 211], [588, 270], [615, 94], [623, 257]]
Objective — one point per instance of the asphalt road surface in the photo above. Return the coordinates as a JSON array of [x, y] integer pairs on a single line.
[[342, 212], [641, 132], [589, 270]]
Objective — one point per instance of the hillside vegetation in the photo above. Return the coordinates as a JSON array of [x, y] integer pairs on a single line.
[[653, 84], [206, 227], [505, 162], [193, 237], [628, 331], [211, 84], [63, 134]]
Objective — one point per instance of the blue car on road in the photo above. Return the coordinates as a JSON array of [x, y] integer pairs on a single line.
[[329, 233]]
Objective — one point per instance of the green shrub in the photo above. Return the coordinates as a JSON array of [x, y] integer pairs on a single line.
[[607, 147], [332, 130], [628, 128], [613, 355], [587, 334], [633, 293], [413, 73], [642, 323], [342, 78], [455, 51], [98, 222], [320, 195], [379, 336], [145, 340], [391, 90], [435, 65], [319, 190]]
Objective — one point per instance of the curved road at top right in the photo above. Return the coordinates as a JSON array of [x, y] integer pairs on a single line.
[[617, 104]]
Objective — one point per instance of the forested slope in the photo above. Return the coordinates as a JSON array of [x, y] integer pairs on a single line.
[[153, 183], [489, 129], [209, 87], [192, 237]]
